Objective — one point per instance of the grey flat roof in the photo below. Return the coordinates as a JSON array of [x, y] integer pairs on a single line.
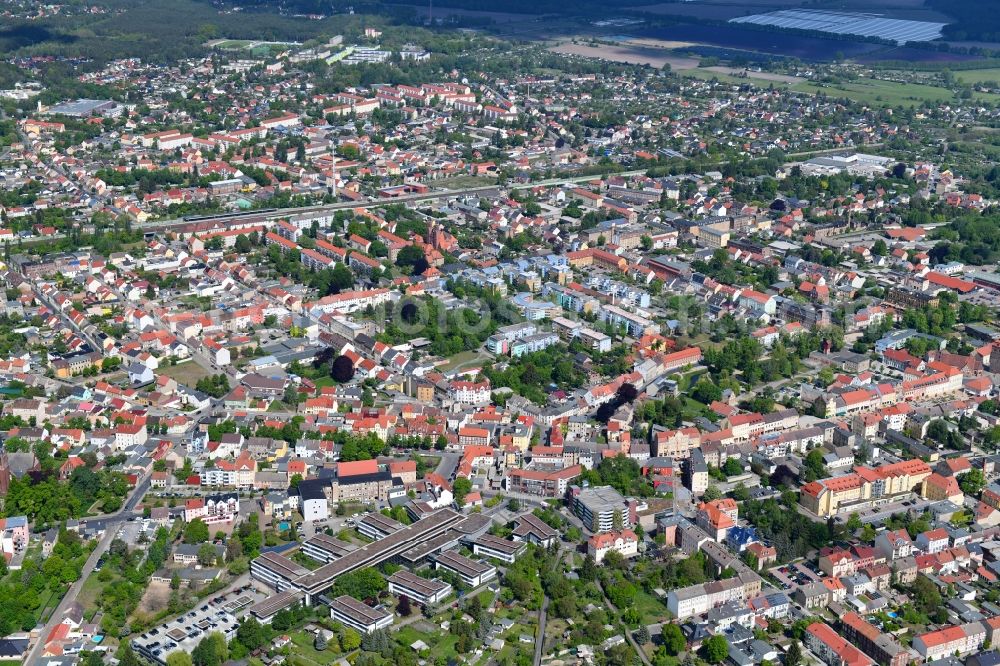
[[382, 523], [422, 550], [380, 550], [496, 543], [532, 524], [473, 522], [353, 608], [463, 564], [275, 603], [414, 582], [283, 565], [330, 544]]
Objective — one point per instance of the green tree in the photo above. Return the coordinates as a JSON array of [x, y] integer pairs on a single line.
[[460, 488], [673, 639], [815, 468], [972, 482], [211, 651], [350, 640], [793, 657], [196, 531], [715, 650], [711, 493], [926, 594], [853, 522], [412, 257], [732, 467], [705, 391], [361, 584], [206, 555], [127, 656], [251, 634], [243, 244], [179, 659]]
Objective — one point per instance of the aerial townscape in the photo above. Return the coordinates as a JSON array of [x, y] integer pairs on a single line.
[[500, 334]]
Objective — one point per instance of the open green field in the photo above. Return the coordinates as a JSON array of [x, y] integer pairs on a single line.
[[325, 380], [239, 44], [464, 182], [233, 44], [462, 360], [185, 373], [887, 93], [870, 91], [441, 644], [650, 608], [979, 76], [90, 591], [305, 651], [707, 75]]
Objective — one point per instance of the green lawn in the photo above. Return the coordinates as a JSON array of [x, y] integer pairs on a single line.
[[441, 645], [305, 650], [650, 608], [464, 182], [323, 381], [409, 635], [91, 590], [462, 360], [49, 605], [431, 461], [692, 408]]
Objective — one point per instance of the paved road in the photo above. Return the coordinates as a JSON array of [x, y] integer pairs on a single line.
[[107, 523], [126, 512], [540, 640], [66, 320]]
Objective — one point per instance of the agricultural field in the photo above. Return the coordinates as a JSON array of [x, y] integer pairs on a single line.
[[914, 10], [636, 55], [912, 55], [887, 93], [775, 43], [974, 76], [761, 76], [709, 75]]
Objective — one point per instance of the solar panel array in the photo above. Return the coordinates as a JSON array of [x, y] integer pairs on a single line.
[[841, 23]]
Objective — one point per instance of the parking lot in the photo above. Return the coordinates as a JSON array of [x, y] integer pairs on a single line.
[[184, 632], [793, 575]]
